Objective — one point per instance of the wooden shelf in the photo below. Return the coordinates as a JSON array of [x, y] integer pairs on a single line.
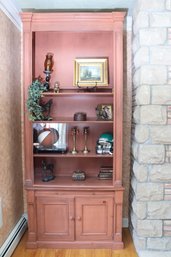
[[69, 155], [91, 120], [67, 182], [77, 92]]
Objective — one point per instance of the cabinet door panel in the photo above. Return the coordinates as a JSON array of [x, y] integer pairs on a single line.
[[55, 218], [94, 218]]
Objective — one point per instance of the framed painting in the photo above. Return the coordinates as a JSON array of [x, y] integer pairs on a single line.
[[104, 111], [91, 72]]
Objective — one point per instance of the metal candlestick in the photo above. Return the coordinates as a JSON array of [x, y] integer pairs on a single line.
[[85, 132], [47, 78], [48, 65], [75, 132]]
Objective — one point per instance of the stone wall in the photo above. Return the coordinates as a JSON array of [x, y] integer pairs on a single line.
[[151, 176]]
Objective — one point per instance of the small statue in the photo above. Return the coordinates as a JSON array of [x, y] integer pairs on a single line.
[[56, 87], [47, 172]]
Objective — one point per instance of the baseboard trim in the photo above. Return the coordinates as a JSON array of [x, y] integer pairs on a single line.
[[14, 237]]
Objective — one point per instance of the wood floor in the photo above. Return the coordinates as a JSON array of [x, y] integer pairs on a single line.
[[128, 251]]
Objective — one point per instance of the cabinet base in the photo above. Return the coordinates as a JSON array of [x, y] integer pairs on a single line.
[[76, 245]]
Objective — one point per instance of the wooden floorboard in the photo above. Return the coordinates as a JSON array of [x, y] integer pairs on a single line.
[[128, 251]]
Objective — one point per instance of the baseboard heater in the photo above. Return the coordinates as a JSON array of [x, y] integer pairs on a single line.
[[14, 237]]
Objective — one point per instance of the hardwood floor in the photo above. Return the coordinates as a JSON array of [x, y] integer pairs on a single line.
[[128, 251]]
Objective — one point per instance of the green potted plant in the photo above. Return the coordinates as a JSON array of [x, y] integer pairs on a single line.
[[38, 109]]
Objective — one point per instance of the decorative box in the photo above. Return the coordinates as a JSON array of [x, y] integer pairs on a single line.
[[78, 175], [79, 116]]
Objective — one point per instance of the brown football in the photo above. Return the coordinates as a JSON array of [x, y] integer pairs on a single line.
[[48, 137]]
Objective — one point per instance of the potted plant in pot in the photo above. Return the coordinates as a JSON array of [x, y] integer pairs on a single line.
[[38, 109]]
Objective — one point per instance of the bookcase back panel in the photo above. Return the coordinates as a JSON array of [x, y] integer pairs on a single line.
[[66, 46]]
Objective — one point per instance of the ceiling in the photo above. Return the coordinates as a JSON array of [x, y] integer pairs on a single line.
[[52, 5]]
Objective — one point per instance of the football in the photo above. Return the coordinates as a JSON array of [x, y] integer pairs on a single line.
[[48, 137]]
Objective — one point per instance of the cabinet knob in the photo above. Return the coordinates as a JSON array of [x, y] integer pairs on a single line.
[[78, 218], [71, 218]]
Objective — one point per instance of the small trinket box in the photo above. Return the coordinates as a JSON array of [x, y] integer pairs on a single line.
[[78, 175], [79, 116]]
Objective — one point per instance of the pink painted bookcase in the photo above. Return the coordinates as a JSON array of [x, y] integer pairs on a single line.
[[63, 213]]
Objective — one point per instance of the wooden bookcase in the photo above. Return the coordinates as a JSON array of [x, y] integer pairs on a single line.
[[62, 212]]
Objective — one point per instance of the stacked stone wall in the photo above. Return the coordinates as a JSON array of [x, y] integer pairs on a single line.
[[151, 148]]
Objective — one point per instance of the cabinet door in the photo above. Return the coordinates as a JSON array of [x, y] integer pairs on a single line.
[[55, 218], [94, 218]]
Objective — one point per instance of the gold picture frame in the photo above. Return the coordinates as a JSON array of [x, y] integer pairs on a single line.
[[104, 111], [91, 72]]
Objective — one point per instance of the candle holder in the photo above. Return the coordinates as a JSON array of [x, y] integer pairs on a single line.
[[48, 64], [74, 132], [85, 133]]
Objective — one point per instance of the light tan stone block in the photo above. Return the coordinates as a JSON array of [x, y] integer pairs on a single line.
[[152, 75], [143, 95], [149, 191], [160, 173], [160, 55], [153, 5], [141, 133], [152, 36], [135, 147], [136, 114], [160, 134], [153, 114], [136, 78], [141, 21], [139, 242], [168, 154], [160, 19], [168, 5], [159, 243], [140, 171], [149, 228], [135, 44], [159, 210], [167, 223], [139, 208], [161, 95], [141, 57], [151, 154], [134, 183], [134, 219]]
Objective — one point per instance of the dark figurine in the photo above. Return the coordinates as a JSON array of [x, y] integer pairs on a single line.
[[46, 109], [47, 172]]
